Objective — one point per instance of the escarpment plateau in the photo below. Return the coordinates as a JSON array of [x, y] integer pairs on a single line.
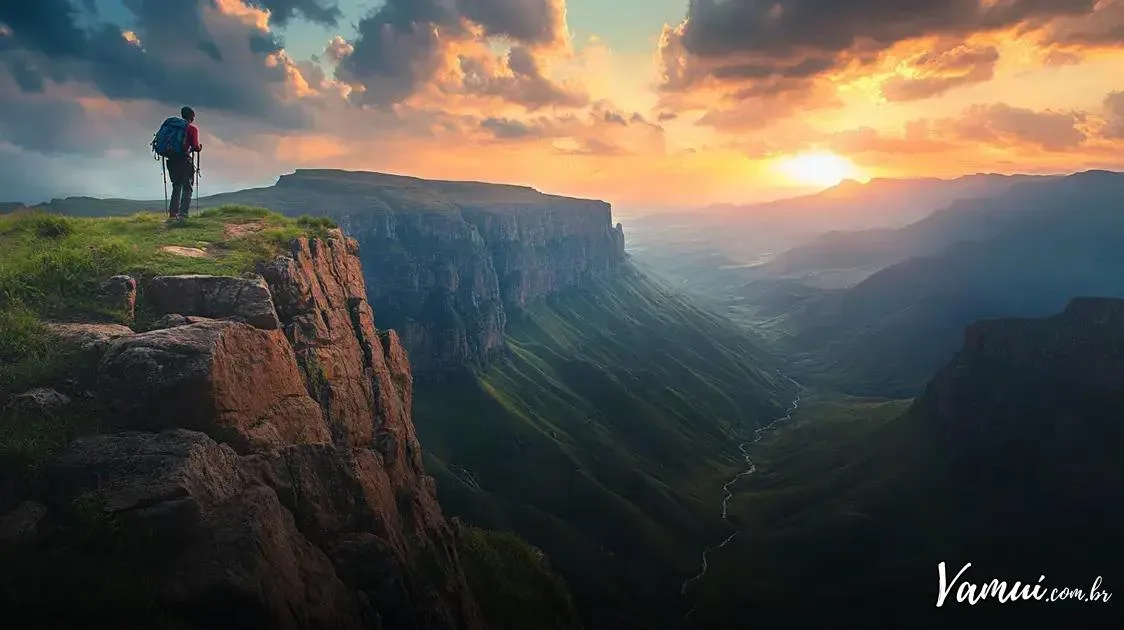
[[257, 465], [448, 261]]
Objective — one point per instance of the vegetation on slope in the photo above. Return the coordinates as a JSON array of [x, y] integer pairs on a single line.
[[603, 438], [51, 270], [857, 502], [53, 265], [513, 583]]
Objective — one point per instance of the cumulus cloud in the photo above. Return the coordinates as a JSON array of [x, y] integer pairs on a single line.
[[936, 71], [407, 44], [541, 22], [216, 55], [281, 11], [1114, 116], [1003, 125], [794, 52], [602, 131], [519, 79], [917, 137]]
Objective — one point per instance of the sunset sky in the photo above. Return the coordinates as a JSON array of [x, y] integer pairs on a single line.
[[644, 103]]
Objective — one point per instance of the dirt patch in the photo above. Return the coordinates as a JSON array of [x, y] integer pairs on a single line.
[[238, 230], [190, 252]]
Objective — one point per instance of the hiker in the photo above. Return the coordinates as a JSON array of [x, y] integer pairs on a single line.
[[176, 141]]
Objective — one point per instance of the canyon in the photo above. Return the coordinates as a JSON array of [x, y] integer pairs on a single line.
[[448, 261]]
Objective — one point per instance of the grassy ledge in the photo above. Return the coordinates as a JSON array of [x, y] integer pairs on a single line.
[[52, 267]]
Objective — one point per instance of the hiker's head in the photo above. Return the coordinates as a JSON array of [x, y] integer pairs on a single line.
[[187, 114]]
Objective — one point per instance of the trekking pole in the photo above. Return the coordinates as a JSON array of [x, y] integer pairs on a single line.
[[164, 174], [198, 167]]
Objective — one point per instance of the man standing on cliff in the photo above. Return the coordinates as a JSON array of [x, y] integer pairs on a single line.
[[177, 141]]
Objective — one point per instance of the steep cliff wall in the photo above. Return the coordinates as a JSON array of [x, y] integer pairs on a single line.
[[269, 474], [1033, 406], [447, 261]]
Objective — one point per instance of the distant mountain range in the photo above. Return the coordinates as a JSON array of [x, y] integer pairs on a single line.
[[1024, 252], [877, 203], [743, 234]]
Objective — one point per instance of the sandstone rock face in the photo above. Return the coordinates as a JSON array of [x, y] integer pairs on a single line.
[[175, 319], [238, 384], [91, 337], [217, 297], [229, 547], [271, 455]]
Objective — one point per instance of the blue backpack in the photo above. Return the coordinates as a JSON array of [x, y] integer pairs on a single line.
[[169, 139]]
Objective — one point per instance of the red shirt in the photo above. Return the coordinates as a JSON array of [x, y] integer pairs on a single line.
[[191, 139]]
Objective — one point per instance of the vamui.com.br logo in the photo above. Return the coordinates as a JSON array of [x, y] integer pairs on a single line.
[[960, 588]]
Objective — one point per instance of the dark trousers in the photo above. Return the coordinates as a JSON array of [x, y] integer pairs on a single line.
[[181, 171]]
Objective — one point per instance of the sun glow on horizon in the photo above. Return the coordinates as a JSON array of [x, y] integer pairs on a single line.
[[820, 168]]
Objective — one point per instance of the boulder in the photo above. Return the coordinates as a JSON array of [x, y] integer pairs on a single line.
[[120, 294], [238, 384], [89, 337], [38, 401], [218, 297], [175, 319], [217, 547]]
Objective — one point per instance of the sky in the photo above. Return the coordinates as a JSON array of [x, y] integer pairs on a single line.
[[648, 104]]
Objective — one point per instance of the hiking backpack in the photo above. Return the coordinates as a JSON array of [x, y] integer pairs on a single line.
[[170, 138]]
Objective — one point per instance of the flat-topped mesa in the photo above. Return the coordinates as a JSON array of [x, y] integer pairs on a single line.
[[1054, 383], [446, 261], [275, 425], [1071, 344]]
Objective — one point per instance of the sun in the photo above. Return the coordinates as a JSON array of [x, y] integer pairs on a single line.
[[821, 168]]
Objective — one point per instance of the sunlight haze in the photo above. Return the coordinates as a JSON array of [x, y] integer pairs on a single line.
[[644, 104]]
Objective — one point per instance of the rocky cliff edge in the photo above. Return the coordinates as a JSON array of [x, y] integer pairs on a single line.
[[448, 262], [263, 469]]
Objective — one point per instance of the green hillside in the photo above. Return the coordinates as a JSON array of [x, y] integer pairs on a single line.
[[603, 437], [1009, 461]]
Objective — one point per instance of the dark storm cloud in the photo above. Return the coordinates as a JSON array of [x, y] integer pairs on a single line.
[[788, 44], [178, 59], [42, 25], [505, 129], [397, 49], [281, 11], [527, 21], [400, 45], [786, 28]]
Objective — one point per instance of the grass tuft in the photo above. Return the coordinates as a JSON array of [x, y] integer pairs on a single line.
[[52, 268]]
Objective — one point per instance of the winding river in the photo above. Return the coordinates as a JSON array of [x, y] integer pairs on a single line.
[[750, 468]]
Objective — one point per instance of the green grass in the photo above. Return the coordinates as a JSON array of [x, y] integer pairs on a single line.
[[603, 437], [52, 266], [846, 501], [513, 583]]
